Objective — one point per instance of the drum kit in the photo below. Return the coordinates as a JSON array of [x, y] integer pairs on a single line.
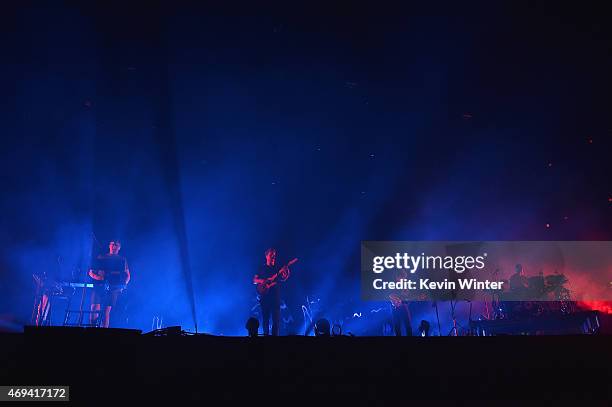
[[543, 295]]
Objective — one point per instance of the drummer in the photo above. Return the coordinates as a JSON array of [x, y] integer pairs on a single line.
[[518, 281], [519, 284]]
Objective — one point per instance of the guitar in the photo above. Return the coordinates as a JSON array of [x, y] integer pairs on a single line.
[[264, 287]]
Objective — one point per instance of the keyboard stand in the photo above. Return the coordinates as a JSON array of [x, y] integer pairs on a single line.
[[81, 313]]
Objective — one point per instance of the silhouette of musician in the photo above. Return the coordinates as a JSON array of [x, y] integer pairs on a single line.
[[268, 276], [111, 275]]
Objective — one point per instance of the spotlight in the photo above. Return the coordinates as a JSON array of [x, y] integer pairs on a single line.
[[322, 327], [252, 326], [424, 328]]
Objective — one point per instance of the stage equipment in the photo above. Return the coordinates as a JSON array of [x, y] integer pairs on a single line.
[[311, 309], [48, 294], [322, 327], [252, 326], [168, 331], [584, 322], [435, 305], [424, 328], [455, 329]]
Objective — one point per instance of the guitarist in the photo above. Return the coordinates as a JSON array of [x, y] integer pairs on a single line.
[[270, 301]]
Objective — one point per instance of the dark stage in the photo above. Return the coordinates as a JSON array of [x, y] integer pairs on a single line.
[[175, 164], [116, 365]]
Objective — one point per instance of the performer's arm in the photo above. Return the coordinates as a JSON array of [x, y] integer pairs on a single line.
[[96, 274], [257, 280], [127, 272]]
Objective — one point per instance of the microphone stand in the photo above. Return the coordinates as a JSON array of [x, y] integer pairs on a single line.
[[454, 329], [435, 304]]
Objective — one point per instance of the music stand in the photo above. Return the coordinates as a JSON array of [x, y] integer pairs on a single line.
[[453, 304], [460, 249]]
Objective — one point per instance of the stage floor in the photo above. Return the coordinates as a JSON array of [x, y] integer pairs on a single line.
[[120, 365]]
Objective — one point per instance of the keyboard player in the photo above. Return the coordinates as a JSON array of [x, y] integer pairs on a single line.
[[111, 275]]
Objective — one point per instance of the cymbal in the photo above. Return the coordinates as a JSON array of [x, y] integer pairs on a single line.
[[556, 279]]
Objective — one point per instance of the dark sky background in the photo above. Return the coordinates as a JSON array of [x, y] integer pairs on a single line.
[[200, 138]]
